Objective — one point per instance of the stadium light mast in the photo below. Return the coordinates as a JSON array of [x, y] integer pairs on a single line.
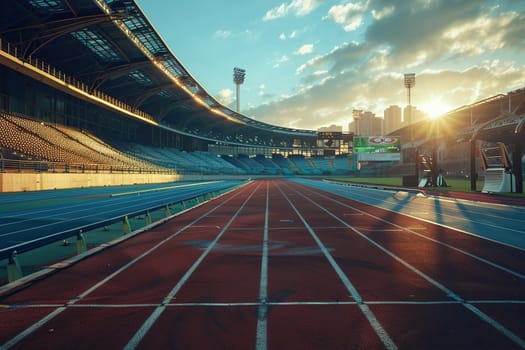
[[238, 79], [410, 82]]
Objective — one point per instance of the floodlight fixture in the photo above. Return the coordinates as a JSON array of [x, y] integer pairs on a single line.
[[238, 79], [238, 75]]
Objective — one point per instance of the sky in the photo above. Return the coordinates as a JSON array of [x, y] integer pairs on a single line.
[[309, 63]]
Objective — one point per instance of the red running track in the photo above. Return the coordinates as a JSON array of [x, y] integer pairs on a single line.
[[276, 265]]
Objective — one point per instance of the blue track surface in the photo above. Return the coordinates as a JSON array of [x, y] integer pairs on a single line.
[[33, 216], [501, 223]]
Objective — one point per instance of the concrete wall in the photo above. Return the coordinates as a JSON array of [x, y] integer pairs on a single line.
[[18, 182], [21, 182]]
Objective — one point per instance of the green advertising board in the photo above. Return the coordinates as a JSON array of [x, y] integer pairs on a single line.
[[377, 144]]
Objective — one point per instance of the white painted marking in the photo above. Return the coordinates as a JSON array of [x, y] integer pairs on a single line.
[[146, 326], [269, 303], [262, 331], [411, 230], [440, 286], [28, 331], [380, 331]]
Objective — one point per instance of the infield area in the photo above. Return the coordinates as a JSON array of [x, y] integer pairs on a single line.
[[276, 264]]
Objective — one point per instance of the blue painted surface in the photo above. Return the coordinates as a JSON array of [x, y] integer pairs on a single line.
[[501, 223], [29, 216]]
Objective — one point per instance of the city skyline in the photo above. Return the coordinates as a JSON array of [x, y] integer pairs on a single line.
[[309, 63]]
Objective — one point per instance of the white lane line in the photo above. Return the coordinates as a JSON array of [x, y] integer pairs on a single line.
[[517, 340], [380, 331], [59, 310], [411, 230], [146, 326], [470, 203], [270, 303], [261, 333]]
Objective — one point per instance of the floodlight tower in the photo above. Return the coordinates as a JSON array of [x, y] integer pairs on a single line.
[[410, 82], [238, 79]]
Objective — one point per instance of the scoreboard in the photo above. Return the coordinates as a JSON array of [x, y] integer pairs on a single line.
[[329, 139]]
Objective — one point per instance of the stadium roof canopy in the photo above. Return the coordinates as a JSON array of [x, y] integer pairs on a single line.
[[112, 47]]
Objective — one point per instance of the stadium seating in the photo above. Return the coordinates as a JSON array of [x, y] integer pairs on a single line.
[[301, 164], [269, 166], [30, 139], [322, 165], [285, 164], [342, 165]]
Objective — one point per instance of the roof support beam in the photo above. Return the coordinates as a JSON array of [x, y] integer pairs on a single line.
[[116, 72], [152, 92], [44, 33]]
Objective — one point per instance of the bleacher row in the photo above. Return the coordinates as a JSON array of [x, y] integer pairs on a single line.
[[26, 139]]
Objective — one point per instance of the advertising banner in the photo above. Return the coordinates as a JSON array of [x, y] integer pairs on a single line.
[[377, 144]]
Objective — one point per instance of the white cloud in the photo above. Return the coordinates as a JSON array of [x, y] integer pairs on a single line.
[[384, 12], [292, 35], [280, 60], [225, 96], [296, 7], [368, 73], [222, 34], [333, 100], [305, 49], [276, 12], [350, 16]]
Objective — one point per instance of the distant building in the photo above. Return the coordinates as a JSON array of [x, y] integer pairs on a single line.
[[412, 115], [366, 123], [392, 119]]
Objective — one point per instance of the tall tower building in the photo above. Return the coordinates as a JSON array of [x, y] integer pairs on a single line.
[[392, 119], [366, 123]]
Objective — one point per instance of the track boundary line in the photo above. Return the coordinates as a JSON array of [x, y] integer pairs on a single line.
[[262, 329], [378, 328], [154, 316], [459, 250], [484, 317], [15, 340]]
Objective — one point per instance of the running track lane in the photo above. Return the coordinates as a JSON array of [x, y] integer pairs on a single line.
[[278, 265]]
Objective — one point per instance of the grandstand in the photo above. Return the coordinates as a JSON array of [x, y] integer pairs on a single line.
[[90, 87]]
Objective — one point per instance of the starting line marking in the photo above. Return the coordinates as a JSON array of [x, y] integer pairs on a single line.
[[268, 303]]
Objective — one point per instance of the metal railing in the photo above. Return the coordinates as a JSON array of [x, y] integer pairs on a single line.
[[35, 166]]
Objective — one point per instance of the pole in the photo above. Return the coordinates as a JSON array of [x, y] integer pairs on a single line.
[[473, 174], [238, 97]]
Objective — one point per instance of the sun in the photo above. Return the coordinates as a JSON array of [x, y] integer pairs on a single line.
[[435, 108]]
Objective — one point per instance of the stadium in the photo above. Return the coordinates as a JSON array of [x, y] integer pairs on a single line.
[[104, 127]]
